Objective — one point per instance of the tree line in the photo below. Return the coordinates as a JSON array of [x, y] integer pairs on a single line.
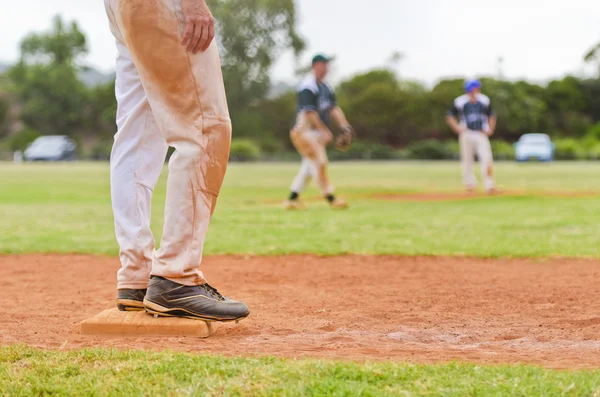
[[42, 94]]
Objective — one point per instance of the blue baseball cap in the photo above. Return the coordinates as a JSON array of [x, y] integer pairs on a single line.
[[470, 85]]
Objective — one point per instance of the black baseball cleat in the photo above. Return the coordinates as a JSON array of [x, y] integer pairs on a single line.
[[202, 302], [130, 299]]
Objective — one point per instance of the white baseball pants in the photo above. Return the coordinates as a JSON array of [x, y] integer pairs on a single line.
[[166, 97], [309, 143], [476, 143]]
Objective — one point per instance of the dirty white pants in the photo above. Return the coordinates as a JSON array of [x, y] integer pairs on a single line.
[[309, 144], [476, 143], [166, 97]]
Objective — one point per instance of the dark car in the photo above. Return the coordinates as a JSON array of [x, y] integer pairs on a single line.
[[52, 148]]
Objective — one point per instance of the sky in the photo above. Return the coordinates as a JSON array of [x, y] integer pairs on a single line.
[[537, 39]]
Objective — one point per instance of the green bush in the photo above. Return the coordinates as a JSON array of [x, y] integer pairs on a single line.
[[101, 151], [22, 139], [593, 132], [593, 151], [360, 150], [244, 150], [569, 149], [430, 149], [382, 152], [454, 147], [503, 150], [271, 146]]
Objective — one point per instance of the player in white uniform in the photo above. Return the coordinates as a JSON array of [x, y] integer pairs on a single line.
[[317, 106], [472, 118], [170, 92]]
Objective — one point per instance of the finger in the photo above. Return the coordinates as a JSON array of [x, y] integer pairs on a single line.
[[194, 42], [187, 34], [211, 35], [201, 39]]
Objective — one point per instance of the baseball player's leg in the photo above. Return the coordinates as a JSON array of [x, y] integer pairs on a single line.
[[137, 158], [305, 149], [302, 177], [298, 184], [187, 96], [467, 160], [319, 170], [486, 161], [319, 166]]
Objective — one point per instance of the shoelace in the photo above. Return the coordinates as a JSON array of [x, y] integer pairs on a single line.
[[213, 292]]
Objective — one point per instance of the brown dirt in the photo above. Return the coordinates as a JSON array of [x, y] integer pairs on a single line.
[[462, 195], [418, 309]]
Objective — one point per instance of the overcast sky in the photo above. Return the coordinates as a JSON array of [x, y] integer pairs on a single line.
[[538, 39]]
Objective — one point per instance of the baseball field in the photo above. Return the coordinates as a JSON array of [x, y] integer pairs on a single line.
[[417, 289]]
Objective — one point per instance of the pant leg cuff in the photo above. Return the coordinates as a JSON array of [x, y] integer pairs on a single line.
[[137, 285]]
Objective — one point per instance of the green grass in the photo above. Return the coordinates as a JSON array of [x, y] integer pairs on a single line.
[[27, 371], [66, 208]]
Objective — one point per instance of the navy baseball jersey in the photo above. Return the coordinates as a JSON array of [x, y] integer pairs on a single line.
[[473, 116], [316, 96]]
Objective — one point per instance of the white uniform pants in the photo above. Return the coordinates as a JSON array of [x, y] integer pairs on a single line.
[[310, 145], [471, 143], [166, 97]]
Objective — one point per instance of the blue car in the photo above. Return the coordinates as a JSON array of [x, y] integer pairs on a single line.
[[534, 147]]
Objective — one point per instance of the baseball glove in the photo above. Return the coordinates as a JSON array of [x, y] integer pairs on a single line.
[[344, 140]]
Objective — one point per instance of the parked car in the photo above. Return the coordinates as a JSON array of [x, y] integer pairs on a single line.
[[534, 147], [52, 148]]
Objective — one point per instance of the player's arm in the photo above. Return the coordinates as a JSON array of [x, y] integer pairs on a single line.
[[492, 120], [346, 132], [315, 122], [452, 120], [339, 118], [308, 104]]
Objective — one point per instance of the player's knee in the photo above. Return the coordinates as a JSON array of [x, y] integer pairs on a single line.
[[322, 170], [207, 155]]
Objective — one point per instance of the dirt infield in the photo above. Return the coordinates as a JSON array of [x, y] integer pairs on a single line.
[[423, 309]]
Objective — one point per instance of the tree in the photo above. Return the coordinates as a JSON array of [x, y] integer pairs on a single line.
[[593, 56], [383, 109], [253, 34], [62, 45], [567, 102], [6, 118], [52, 99]]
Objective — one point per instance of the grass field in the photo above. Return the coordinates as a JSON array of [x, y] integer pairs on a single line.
[[26, 372], [66, 208]]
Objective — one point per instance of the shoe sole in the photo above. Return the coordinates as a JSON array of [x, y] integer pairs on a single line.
[[129, 305], [155, 309]]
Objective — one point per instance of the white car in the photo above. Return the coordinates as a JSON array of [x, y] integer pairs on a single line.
[[534, 147], [51, 148]]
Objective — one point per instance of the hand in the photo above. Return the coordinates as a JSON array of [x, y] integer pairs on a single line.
[[327, 137], [345, 139], [488, 132], [199, 25]]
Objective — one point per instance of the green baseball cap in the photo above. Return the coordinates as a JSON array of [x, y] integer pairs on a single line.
[[320, 58]]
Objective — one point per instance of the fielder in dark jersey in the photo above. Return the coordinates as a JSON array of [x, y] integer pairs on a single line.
[[472, 118], [317, 108], [316, 96]]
